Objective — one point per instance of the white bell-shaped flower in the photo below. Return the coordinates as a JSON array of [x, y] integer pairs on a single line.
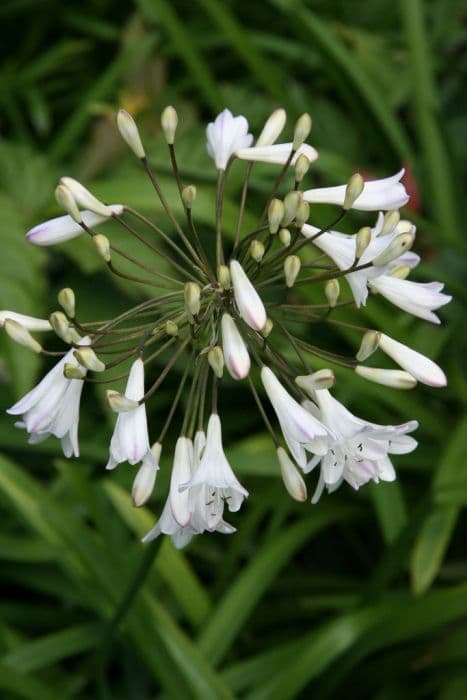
[[130, 439], [63, 228], [52, 407], [225, 135], [385, 194], [418, 299], [300, 429]]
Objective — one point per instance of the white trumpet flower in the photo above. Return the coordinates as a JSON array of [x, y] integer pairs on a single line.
[[385, 194], [63, 228], [225, 135], [417, 298], [130, 439], [302, 432], [52, 407]]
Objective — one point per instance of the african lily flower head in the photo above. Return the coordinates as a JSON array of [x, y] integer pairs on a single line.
[[232, 303]]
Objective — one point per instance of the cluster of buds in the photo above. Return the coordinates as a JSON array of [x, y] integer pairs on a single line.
[[226, 312]]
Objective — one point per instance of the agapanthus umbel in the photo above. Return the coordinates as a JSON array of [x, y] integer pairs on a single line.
[[229, 303]]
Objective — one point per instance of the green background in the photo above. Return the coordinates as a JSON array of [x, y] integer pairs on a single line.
[[364, 594]]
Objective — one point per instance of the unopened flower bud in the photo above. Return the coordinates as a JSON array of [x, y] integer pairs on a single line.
[[368, 346], [353, 190], [400, 244], [332, 291], [256, 250], [73, 372], [272, 128], [169, 123], [301, 167], [391, 220], [275, 214], [66, 200], [145, 479], [395, 378], [285, 237], [268, 326], [21, 335], [223, 276], [88, 358], [192, 293], [216, 361], [302, 215], [292, 265], [301, 131], [129, 132], [322, 379], [62, 327], [171, 328], [405, 226], [66, 299], [292, 201], [188, 196], [362, 241], [119, 403], [84, 198], [102, 244], [401, 272], [236, 355], [293, 480], [249, 303]]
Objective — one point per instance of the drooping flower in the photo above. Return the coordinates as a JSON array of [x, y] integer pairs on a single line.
[[417, 298], [358, 451], [302, 432], [130, 439], [249, 303], [226, 135], [52, 407], [214, 481], [63, 228], [416, 364], [385, 194]]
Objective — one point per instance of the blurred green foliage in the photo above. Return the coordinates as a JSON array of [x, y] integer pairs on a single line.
[[365, 593]]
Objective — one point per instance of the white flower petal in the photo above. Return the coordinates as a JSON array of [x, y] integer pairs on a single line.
[[31, 323], [418, 299], [225, 136], [63, 228], [277, 153]]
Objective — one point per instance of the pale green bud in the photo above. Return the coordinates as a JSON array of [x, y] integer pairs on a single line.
[[66, 200], [66, 299], [267, 328], [169, 123], [391, 219], [171, 328], [401, 272], [256, 250], [368, 346], [192, 293], [119, 403], [62, 328], [302, 215], [275, 214], [405, 226], [129, 132], [301, 167], [353, 190], [395, 378], [189, 196], [145, 479], [363, 240], [302, 131], [322, 379], [292, 265], [216, 361], [292, 201], [223, 276], [102, 244], [21, 335], [285, 237], [88, 358], [293, 480], [332, 291], [73, 372], [272, 128], [84, 198], [400, 244]]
